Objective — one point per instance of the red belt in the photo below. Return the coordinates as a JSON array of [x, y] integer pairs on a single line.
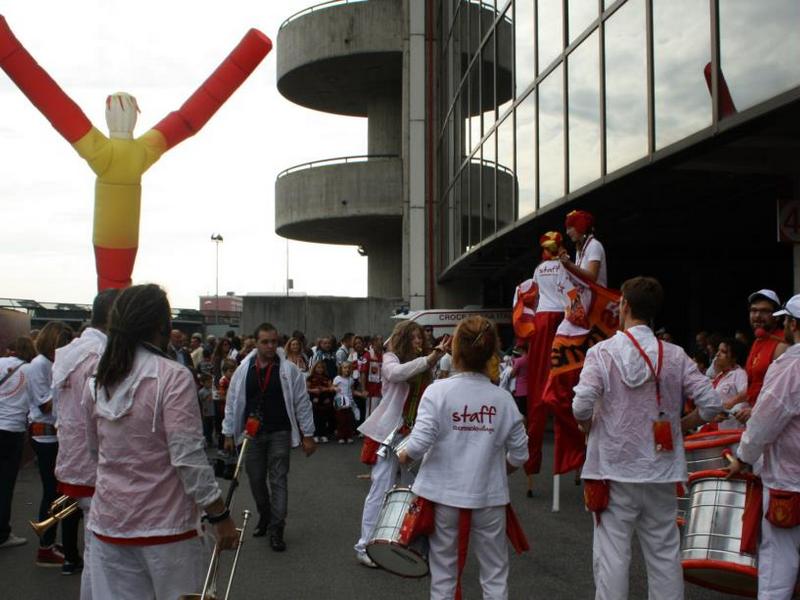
[[40, 429]]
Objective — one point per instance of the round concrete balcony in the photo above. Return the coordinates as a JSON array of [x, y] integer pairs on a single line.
[[349, 200], [336, 55]]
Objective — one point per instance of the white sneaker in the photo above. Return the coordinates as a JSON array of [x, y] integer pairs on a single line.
[[364, 559], [323, 439], [341, 441], [316, 440], [12, 541]]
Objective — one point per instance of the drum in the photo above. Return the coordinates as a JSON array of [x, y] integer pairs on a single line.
[[704, 450], [710, 546], [411, 465], [388, 547]]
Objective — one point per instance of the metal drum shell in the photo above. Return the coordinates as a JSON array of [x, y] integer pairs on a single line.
[[383, 546], [710, 544], [704, 450], [412, 465]]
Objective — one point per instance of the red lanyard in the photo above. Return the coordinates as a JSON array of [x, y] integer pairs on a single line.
[[657, 371], [262, 384]]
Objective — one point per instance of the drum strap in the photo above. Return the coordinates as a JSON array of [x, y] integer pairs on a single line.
[[751, 518]]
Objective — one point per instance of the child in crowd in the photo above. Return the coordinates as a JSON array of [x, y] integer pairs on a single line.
[[205, 396], [346, 409], [221, 391], [205, 366], [321, 392]]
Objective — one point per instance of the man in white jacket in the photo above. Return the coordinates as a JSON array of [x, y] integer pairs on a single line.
[[773, 431], [274, 391], [76, 466], [629, 400]]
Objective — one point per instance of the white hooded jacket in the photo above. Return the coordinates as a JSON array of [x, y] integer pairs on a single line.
[[153, 475], [74, 364], [617, 391]]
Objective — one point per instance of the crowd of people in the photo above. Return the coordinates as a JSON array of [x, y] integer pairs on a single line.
[[124, 418]]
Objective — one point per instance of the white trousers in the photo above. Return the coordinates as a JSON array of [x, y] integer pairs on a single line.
[[487, 539], [88, 538], [371, 404], [160, 572], [650, 510], [778, 559], [385, 474]]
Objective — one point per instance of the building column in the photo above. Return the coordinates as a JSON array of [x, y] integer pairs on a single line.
[[414, 250], [384, 258]]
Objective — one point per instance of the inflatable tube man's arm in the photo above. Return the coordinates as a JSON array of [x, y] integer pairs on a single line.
[[201, 106], [62, 112]]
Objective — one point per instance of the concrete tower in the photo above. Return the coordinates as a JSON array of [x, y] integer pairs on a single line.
[[348, 59]]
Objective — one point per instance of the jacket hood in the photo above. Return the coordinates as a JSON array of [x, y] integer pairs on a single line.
[[631, 365], [70, 357], [119, 403]]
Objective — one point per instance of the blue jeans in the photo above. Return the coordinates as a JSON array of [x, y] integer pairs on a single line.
[[268, 459]]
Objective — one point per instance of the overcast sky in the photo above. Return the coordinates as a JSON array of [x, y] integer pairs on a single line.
[[221, 180]]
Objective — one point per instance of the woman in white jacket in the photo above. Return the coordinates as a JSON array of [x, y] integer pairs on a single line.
[[153, 478], [470, 433]]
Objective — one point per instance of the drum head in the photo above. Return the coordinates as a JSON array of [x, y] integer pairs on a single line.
[[722, 576], [400, 560]]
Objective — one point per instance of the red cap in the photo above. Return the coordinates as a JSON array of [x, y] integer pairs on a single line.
[[581, 220]]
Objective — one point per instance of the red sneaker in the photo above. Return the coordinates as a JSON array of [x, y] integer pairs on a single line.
[[49, 557]]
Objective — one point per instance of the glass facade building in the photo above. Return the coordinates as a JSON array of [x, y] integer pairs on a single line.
[[543, 101]]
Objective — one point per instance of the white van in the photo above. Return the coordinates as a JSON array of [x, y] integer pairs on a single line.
[[443, 321]]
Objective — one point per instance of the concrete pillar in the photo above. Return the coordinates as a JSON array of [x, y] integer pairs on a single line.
[[384, 126], [415, 217], [384, 276]]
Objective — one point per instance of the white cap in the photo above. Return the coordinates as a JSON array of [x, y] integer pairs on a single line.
[[766, 294], [791, 308]]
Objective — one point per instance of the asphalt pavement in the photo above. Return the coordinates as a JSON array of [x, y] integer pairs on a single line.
[[325, 500]]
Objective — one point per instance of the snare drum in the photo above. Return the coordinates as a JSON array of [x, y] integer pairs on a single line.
[[710, 546], [388, 547], [411, 465], [704, 450]]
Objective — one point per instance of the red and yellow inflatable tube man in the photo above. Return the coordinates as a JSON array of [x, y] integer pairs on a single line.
[[120, 160]]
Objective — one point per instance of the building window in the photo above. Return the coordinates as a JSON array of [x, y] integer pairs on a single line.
[[581, 14], [505, 176], [760, 48], [584, 112], [626, 85], [550, 34], [526, 156], [551, 137], [524, 49], [681, 50]]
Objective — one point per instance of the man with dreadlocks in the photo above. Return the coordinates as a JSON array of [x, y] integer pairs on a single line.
[[405, 373], [153, 477]]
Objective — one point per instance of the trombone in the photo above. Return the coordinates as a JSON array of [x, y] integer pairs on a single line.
[[60, 509], [210, 585]]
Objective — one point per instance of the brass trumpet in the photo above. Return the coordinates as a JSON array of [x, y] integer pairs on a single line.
[[60, 509]]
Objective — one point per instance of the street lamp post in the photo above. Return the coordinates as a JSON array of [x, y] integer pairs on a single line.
[[217, 239]]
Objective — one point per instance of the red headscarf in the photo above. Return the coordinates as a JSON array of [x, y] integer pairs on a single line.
[[550, 243], [581, 220]]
